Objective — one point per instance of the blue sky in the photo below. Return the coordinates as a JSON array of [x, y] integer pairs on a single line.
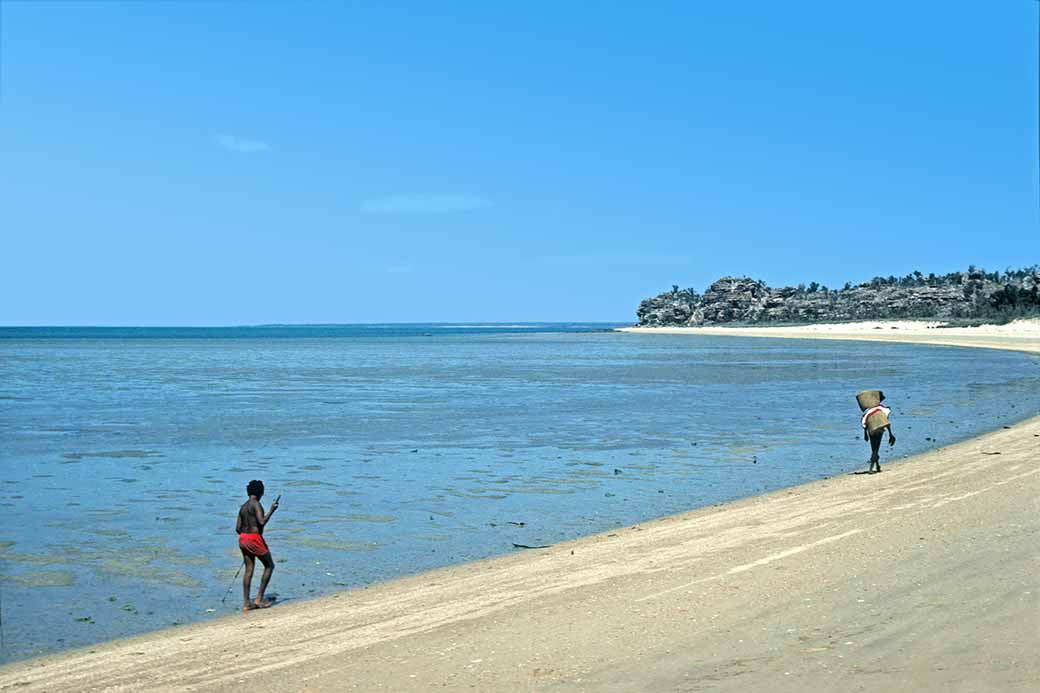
[[235, 163]]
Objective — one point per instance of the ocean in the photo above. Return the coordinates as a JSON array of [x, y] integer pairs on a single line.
[[400, 448]]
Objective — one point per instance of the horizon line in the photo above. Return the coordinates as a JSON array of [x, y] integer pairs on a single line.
[[504, 323]]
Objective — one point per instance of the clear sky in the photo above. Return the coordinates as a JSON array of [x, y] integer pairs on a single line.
[[203, 162]]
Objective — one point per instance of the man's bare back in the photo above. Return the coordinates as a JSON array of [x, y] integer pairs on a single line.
[[250, 517]]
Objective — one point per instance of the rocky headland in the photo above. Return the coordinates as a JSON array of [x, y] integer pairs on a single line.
[[971, 295]]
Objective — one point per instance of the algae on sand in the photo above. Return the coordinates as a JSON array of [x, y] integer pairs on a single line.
[[42, 578]]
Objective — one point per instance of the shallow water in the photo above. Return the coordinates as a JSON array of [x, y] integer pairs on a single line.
[[402, 448]]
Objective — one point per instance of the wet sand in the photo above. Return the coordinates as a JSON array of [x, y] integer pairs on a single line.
[[921, 578]]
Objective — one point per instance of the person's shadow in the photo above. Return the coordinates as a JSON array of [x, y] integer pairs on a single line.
[[277, 599]]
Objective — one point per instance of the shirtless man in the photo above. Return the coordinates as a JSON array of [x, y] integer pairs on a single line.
[[250, 528]]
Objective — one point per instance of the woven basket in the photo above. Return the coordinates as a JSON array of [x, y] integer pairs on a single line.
[[869, 398], [876, 422]]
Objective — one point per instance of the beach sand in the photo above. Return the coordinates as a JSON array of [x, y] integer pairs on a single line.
[[1020, 335], [922, 578]]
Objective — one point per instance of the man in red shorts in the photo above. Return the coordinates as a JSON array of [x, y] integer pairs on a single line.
[[250, 528]]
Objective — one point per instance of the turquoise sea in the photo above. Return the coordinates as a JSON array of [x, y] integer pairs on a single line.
[[399, 448]]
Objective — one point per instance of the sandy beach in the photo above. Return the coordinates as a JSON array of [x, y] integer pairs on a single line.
[[1020, 335], [922, 578]]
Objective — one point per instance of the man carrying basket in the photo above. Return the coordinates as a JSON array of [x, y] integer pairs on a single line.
[[875, 422]]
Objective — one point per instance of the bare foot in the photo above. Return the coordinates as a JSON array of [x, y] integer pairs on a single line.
[[264, 604], [248, 607]]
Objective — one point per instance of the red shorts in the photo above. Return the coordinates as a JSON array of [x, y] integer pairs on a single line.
[[253, 544]]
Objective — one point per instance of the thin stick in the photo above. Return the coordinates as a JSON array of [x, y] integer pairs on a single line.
[[233, 582]]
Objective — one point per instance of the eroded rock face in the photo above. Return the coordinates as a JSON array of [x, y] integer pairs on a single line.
[[671, 308], [745, 300], [734, 299]]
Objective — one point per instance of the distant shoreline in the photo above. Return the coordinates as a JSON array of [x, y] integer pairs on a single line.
[[1020, 335]]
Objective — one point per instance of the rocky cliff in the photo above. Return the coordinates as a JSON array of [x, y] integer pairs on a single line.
[[972, 294]]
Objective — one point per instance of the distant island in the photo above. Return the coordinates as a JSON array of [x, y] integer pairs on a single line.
[[972, 295]]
